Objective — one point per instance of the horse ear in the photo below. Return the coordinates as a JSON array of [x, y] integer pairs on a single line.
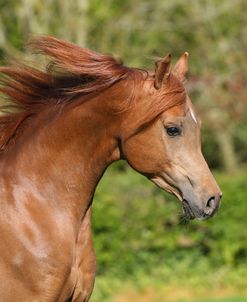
[[182, 66], [162, 71]]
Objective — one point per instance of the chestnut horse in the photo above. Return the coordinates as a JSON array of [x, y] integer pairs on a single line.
[[60, 130]]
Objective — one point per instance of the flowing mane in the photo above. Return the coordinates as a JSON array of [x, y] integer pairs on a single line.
[[73, 71]]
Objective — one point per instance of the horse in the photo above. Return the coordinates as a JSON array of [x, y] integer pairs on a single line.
[[60, 128]]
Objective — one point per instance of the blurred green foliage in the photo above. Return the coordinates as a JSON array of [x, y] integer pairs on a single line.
[[139, 231], [140, 224]]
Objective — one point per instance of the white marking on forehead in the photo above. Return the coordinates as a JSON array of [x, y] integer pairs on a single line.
[[193, 115]]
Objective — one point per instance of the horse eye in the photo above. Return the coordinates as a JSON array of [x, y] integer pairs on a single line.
[[173, 131]]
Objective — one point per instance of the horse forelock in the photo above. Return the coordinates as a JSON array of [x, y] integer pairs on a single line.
[[172, 94], [151, 103]]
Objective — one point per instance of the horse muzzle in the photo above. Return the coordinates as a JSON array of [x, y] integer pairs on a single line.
[[202, 211]]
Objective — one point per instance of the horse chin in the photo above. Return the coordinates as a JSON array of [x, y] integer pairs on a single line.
[[161, 183], [188, 212]]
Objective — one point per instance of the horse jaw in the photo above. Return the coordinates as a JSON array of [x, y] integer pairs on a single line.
[[162, 183]]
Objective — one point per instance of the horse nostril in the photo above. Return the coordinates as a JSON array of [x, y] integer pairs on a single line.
[[211, 203]]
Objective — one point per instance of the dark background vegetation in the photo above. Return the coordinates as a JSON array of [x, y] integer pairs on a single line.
[[145, 252]]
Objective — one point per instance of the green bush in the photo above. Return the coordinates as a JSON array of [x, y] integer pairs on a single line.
[[138, 227]]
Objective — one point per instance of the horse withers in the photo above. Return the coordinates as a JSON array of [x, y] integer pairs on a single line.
[[60, 130]]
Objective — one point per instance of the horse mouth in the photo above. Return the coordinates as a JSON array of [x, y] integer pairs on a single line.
[[192, 213]]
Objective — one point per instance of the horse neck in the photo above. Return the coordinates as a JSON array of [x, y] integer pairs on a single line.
[[65, 158]]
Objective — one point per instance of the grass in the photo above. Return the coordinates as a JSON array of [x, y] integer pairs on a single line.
[[150, 289], [231, 299]]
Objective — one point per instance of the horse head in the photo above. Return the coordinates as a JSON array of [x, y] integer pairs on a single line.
[[167, 148]]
